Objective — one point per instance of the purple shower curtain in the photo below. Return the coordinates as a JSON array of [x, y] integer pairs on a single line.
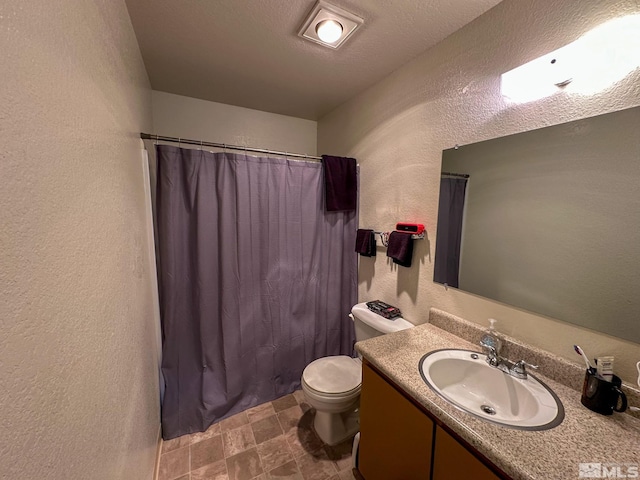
[[256, 281]]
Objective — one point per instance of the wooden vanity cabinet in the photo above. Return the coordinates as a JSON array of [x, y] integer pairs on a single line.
[[395, 436], [399, 441], [452, 460]]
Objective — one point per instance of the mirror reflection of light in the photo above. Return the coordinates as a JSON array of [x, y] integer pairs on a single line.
[[595, 61]]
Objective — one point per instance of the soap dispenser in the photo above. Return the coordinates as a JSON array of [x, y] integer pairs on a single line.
[[494, 333], [491, 342]]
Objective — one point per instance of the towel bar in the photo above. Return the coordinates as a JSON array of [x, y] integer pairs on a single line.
[[415, 237]]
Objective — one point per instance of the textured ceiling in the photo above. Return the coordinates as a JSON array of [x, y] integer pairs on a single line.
[[247, 52]]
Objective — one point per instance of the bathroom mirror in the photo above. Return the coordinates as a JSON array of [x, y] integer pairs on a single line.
[[549, 222]]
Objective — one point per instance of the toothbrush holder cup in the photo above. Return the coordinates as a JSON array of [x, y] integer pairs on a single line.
[[603, 396]]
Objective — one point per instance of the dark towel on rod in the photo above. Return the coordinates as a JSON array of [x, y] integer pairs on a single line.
[[366, 242], [340, 183], [400, 248]]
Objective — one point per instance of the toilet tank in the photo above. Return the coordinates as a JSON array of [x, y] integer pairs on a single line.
[[368, 324]]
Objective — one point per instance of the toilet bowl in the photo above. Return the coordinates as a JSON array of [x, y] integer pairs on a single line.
[[332, 384]]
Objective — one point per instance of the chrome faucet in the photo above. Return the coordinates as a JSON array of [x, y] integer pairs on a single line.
[[492, 346]]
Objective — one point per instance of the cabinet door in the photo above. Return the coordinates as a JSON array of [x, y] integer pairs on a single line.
[[396, 437], [452, 460]]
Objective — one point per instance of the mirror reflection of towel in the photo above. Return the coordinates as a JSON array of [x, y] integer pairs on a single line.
[[366, 242], [400, 248], [340, 183]]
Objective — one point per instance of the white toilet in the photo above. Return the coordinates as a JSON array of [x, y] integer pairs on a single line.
[[332, 384]]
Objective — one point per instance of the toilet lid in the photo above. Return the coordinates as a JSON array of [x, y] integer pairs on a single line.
[[337, 374]]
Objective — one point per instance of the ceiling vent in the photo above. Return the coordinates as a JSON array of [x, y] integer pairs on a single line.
[[329, 25]]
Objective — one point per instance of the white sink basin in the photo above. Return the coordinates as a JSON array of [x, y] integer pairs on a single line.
[[466, 380]]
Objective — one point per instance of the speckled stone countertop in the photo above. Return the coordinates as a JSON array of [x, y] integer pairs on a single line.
[[582, 437]]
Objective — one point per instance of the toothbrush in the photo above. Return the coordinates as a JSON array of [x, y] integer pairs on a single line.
[[580, 352]]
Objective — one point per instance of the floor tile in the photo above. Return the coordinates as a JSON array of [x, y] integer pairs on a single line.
[[288, 471], [347, 475], [212, 431], [285, 402], [341, 454], [266, 429], [274, 453], [206, 452], [303, 441], [173, 464], [261, 411], [213, 471], [244, 466], [306, 420], [305, 406], [234, 422], [299, 396], [290, 418], [316, 466], [273, 441], [237, 440], [175, 443]]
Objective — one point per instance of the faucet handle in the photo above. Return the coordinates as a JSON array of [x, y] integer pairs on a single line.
[[489, 348], [519, 369]]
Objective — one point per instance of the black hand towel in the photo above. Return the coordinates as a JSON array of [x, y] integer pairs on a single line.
[[400, 248], [340, 183], [366, 242]]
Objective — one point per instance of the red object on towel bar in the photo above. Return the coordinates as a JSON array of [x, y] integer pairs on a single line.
[[415, 228]]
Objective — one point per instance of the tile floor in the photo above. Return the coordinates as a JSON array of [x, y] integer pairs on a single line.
[[274, 440]]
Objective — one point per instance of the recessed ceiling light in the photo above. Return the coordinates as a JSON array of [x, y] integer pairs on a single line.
[[329, 25], [329, 31]]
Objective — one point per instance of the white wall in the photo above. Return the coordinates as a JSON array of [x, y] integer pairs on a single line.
[[185, 117], [451, 95], [78, 373]]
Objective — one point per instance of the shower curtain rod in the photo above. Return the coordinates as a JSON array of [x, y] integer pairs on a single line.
[[461, 175], [162, 138]]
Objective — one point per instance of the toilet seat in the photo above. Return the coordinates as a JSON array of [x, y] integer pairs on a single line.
[[335, 376]]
